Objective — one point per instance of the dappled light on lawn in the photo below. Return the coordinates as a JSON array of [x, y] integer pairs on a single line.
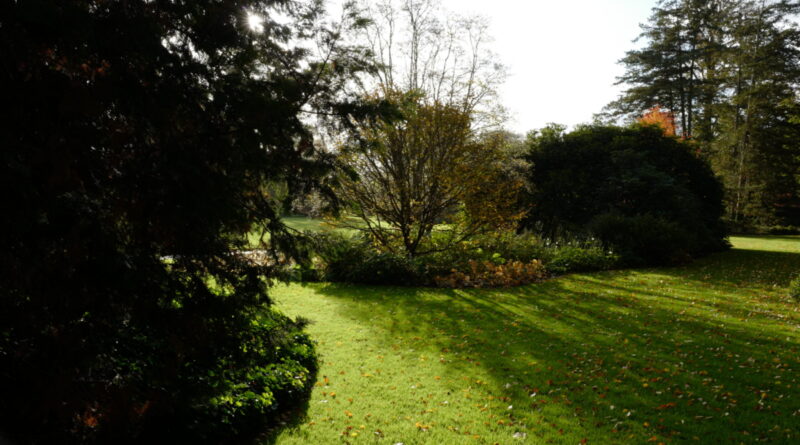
[[657, 355]]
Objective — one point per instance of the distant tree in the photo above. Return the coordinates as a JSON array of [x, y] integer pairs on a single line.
[[421, 48], [729, 69], [438, 160], [639, 191], [140, 141], [312, 205], [679, 65], [757, 149]]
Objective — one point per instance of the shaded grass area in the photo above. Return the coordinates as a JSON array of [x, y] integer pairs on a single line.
[[706, 352]]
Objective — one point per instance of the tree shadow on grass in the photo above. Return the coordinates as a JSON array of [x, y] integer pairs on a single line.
[[740, 267], [677, 352]]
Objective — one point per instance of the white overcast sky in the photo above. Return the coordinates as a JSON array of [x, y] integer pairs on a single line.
[[561, 54]]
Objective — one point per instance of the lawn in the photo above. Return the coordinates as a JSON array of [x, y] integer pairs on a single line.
[[303, 223], [706, 352]]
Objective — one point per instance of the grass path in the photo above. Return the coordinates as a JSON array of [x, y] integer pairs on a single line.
[[705, 353]]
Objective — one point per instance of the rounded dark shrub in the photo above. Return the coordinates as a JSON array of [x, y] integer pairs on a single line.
[[354, 260], [385, 268], [644, 239], [338, 256], [643, 194]]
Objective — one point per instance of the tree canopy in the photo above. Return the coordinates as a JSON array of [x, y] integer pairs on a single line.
[[728, 70], [421, 48], [437, 161], [138, 140], [426, 168], [639, 191]]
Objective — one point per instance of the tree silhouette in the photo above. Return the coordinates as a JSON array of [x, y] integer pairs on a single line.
[[138, 137]]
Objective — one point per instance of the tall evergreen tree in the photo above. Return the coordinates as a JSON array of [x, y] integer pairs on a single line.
[[138, 137], [728, 70], [676, 69], [756, 148]]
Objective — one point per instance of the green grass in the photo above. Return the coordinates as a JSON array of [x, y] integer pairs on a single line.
[[303, 223], [705, 353]]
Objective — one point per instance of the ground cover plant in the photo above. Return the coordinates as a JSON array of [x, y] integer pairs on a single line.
[[705, 350], [499, 259]]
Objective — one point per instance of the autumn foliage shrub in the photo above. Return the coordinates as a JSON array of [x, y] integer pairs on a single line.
[[488, 274]]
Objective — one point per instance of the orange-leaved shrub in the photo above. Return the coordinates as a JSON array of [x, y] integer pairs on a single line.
[[489, 274]]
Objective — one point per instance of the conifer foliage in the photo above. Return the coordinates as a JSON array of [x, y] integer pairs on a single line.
[[729, 70], [138, 138]]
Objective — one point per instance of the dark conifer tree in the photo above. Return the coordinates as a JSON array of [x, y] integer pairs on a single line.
[[138, 137], [729, 70]]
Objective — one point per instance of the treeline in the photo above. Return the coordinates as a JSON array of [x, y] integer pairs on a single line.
[[729, 71]]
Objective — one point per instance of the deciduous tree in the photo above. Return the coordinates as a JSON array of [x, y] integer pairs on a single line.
[[447, 58], [436, 162], [663, 119], [425, 168]]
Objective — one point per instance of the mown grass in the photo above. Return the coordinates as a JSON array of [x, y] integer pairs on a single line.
[[303, 223], [705, 353]]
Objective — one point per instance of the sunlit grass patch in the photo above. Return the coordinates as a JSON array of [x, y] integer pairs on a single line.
[[709, 350], [301, 224]]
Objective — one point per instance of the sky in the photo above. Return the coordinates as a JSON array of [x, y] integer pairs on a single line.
[[561, 55]]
